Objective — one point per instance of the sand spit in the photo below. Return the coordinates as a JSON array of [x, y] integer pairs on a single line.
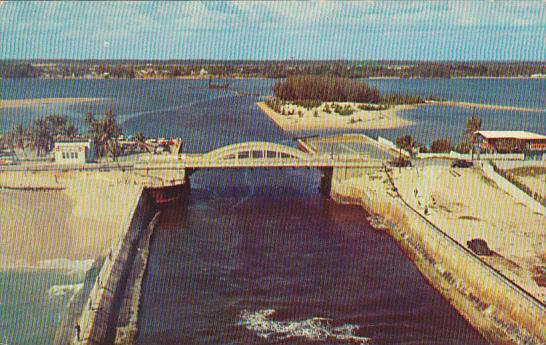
[[19, 103], [484, 106], [82, 221], [361, 119]]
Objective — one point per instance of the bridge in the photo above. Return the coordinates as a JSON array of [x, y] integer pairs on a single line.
[[168, 170], [260, 154]]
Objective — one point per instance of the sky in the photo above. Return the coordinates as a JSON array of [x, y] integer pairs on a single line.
[[362, 30]]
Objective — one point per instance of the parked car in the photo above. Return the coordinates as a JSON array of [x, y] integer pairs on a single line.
[[400, 163], [461, 163]]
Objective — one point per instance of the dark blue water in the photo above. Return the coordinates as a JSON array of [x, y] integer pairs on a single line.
[[449, 122], [260, 257]]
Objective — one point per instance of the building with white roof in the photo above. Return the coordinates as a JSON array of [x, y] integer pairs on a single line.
[[510, 142], [73, 152]]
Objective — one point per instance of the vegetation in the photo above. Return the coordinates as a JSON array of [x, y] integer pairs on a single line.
[[308, 103], [267, 69], [463, 147], [472, 125], [324, 88], [104, 134], [373, 107], [275, 104], [41, 136], [406, 142], [441, 146], [343, 110]]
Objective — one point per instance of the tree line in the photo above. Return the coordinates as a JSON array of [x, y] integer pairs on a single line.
[[443, 145], [42, 134], [272, 69]]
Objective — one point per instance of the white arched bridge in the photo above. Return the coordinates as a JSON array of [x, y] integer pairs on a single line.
[[260, 154], [256, 154]]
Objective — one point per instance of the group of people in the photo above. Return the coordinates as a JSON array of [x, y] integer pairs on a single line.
[[426, 207]]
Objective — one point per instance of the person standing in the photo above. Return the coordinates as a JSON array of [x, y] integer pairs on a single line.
[[78, 331]]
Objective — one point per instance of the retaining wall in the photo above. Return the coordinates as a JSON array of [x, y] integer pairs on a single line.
[[98, 319], [498, 308], [511, 189]]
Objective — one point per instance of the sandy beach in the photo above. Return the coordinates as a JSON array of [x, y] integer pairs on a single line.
[[78, 222], [18, 103], [360, 119], [469, 207], [484, 106]]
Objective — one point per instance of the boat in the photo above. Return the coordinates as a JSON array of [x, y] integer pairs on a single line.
[[167, 194], [218, 86]]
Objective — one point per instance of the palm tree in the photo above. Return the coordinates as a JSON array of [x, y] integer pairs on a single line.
[[41, 137], [472, 125], [141, 141]]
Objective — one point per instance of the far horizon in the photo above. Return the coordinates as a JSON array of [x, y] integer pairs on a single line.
[[440, 31]]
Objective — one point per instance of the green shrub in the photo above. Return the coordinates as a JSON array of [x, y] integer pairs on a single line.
[[441, 146], [327, 109], [373, 107], [343, 110]]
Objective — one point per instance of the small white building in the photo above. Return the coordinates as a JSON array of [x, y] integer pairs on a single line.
[[77, 152]]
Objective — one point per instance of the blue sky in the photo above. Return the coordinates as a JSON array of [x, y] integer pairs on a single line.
[[429, 30]]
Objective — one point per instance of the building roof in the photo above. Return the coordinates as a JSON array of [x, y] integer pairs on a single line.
[[521, 135]]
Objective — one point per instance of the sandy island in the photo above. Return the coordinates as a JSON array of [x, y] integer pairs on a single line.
[[360, 119], [78, 222], [19, 103]]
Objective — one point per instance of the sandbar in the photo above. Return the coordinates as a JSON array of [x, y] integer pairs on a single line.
[[19, 103], [361, 119], [484, 106]]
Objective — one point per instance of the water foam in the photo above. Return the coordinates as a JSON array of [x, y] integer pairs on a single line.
[[314, 329], [72, 266]]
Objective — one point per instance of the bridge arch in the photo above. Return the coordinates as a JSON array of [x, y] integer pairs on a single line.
[[256, 150]]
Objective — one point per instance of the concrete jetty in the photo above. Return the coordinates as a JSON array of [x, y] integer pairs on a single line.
[[100, 314]]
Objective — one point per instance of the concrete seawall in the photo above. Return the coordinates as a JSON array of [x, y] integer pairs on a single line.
[[495, 306], [99, 315]]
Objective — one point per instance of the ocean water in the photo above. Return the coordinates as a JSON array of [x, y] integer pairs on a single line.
[[34, 298]]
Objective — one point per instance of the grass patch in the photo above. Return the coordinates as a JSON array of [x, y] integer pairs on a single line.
[[528, 171]]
